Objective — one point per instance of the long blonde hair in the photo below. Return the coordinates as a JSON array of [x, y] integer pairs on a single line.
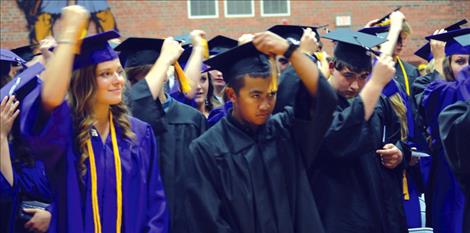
[[81, 93]]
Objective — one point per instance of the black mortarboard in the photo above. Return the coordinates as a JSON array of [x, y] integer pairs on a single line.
[[353, 47], [95, 49], [292, 31], [221, 44], [425, 51], [25, 52], [136, 51], [23, 83], [384, 21], [241, 60]]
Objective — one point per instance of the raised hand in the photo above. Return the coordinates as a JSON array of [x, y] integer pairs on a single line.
[[73, 20], [308, 42], [8, 114], [196, 38], [270, 43], [383, 71], [171, 50]]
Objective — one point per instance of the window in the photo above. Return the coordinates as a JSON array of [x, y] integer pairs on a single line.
[[275, 7], [199, 9], [239, 8]]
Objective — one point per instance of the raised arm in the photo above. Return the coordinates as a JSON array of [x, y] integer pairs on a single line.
[[8, 114], [170, 52], [58, 71], [193, 67], [384, 68]]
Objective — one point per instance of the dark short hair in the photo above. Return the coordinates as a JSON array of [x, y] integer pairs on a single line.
[[340, 65], [238, 82]]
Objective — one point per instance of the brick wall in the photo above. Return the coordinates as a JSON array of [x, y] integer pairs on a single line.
[[164, 18]]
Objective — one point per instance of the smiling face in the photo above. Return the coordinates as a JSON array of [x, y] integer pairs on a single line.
[[109, 82], [254, 102]]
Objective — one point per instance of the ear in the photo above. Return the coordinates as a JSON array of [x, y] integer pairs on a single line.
[[231, 95], [331, 66]]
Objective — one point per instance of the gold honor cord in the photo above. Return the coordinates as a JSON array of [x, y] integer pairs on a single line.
[[94, 184], [406, 193]]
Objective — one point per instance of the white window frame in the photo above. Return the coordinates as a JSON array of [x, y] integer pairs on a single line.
[[273, 15], [239, 15], [216, 2]]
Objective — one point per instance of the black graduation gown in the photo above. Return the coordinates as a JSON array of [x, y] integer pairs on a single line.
[[288, 85], [256, 182], [174, 129], [410, 70], [454, 127], [353, 190]]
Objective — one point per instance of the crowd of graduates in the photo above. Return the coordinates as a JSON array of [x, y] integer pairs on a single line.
[[266, 133]]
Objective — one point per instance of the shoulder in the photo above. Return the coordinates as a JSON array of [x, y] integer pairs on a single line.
[[141, 129], [211, 139]]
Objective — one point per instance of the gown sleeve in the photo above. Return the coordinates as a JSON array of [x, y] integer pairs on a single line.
[[309, 119], [157, 208], [47, 135], [454, 126]]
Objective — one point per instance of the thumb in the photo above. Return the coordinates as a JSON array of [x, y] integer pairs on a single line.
[[30, 211], [388, 146]]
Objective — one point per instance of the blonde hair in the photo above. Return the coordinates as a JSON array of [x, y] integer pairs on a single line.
[[398, 105], [81, 93]]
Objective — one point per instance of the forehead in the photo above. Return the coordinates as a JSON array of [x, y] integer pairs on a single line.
[[113, 64], [258, 84]]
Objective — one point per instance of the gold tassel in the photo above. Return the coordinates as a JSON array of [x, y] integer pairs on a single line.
[[182, 79], [205, 48], [406, 193], [384, 23], [80, 40], [274, 74]]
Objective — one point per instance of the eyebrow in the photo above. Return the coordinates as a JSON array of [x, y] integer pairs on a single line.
[[255, 92]]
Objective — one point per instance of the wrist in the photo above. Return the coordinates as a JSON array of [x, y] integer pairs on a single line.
[[290, 47]]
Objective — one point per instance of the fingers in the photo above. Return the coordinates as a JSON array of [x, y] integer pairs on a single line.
[[4, 103], [30, 211]]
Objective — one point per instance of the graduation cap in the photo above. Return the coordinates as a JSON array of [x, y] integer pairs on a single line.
[[145, 51], [184, 39], [293, 31], [7, 58], [425, 51], [385, 21], [354, 47], [135, 51], [452, 46], [221, 44], [23, 83], [463, 40], [25, 52], [380, 31], [238, 61], [95, 49]]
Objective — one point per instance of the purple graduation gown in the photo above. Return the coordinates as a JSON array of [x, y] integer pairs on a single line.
[[143, 198], [448, 200]]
